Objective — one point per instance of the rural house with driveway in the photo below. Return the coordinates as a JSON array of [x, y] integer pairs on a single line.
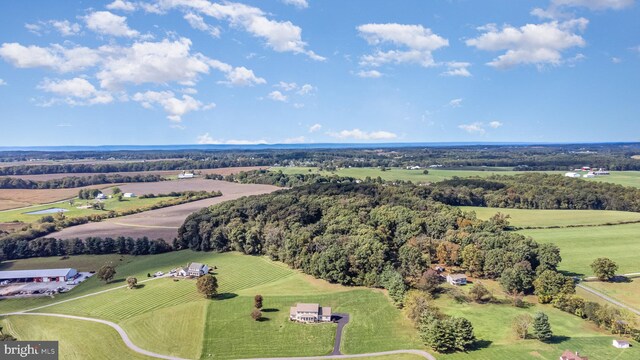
[[194, 269], [310, 313]]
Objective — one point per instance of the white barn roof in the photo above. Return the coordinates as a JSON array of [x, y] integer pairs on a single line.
[[25, 274]]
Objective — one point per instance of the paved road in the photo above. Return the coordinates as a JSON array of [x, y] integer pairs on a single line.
[[117, 327], [422, 353], [343, 319], [605, 297]]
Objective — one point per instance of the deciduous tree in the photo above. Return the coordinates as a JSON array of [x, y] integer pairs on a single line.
[[132, 282], [106, 273], [604, 268], [207, 285]]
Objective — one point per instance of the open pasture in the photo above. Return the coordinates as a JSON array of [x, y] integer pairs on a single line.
[[627, 178], [579, 247], [534, 218], [626, 292]]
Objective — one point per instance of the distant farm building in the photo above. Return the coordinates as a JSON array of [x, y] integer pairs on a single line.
[[568, 355], [101, 196], [621, 344], [585, 168], [194, 269], [572, 175], [457, 279], [413, 167], [589, 175], [44, 275], [310, 313], [186, 176], [129, 195]]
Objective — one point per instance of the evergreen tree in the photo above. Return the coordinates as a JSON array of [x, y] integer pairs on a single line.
[[541, 327]]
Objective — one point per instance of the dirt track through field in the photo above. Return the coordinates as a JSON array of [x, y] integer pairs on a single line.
[[161, 223]]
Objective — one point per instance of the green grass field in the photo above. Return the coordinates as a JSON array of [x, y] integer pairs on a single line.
[[73, 211], [492, 324], [625, 292], [627, 178], [523, 218], [580, 246]]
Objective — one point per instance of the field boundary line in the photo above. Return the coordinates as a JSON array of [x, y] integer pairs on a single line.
[[609, 299], [422, 353], [115, 326], [146, 226]]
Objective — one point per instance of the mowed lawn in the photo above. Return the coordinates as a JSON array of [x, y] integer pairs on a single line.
[[627, 178], [523, 218], [492, 325], [625, 292], [77, 338], [579, 247]]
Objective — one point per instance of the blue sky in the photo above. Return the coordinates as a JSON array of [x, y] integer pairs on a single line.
[[315, 71]]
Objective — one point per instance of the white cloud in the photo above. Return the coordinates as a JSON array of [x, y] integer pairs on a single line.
[[456, 68], [306, 89], [286, 86], [419, 42], [358, 134], [152, 62], [298, 105], [616, 60], [475, 128], [314, 128], [206, 139], [2, 82], [35, 28], [537, 44], [455, 103], [56, 57], [277, 96], [495, 124], [281, 36], [197, 22], [300, 4], [121, 5], [241, 76], [173, 106], [66, 28], [76, 91], [595, 4], [107, 23], [373, 74]]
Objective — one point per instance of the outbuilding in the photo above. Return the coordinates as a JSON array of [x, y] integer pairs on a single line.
[[128, 195], [457, 279], [40, 275], [621, 344]]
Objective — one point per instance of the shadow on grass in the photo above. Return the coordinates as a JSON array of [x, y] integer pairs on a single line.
[[139, 286], [225, 296], [269, 310], [571, 273], [480, 344], [116, 281], [263, 319], [557, 339]]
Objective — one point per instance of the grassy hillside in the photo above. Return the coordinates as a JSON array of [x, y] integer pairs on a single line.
[[523, 218], [580, 246], [625, 292]]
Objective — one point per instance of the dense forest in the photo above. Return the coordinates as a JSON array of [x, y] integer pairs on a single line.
[[616, 157], [76, 181]]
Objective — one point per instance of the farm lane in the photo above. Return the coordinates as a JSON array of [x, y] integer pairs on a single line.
[[422, 353], [607, 298], [161, 223]]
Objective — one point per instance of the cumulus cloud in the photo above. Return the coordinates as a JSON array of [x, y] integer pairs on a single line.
[[416, 42], [373, 74], [315, 127], [76, 91], [107, 23], [537, 44], [173, 106], [56, 57], [306, 89], [286, 86], [455, 103], [456, 68], [206, 139], [197, 22], [300, 4], [281, 36], [121, 5], [474, 128], [66, 28], [277, 96], [241, 76], [495, 124], [358, 134]]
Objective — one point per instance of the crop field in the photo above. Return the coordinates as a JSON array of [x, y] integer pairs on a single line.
[[627, 178], [169, 174], [580, 246], [162, 223], [222, 328], [492, 324], [533, 218], [16, 198], [625, 292]]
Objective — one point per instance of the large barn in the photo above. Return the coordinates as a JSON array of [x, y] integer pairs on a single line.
[[42, 275]]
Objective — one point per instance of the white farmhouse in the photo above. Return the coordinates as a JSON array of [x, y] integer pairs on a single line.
[[457, 279], [129, 195], [194, 269], [310, 313]]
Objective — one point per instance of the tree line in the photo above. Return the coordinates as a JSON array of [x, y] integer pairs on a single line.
[[76, 181]]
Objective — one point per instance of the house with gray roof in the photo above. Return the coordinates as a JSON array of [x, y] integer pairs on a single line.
[[194, 269]]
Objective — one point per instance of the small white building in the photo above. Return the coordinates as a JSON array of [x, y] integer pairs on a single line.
[[101, 196], [589, 175], [572, 175], [186, 176], [129, 195], [621, 344], [310, 313], [457, 279]]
